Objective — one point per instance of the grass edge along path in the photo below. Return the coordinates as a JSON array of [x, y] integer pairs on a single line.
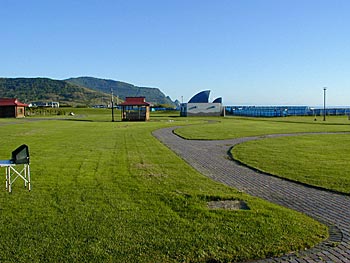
[[319, 160], [230, 128], [331, 208]]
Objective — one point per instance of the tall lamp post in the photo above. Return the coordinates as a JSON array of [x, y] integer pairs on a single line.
[[112, 102], [324, 103]]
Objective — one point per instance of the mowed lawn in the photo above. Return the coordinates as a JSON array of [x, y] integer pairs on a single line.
[[319, 160], [110, 192], [236, 127]]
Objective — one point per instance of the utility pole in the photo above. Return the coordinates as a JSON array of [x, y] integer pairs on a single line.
[[324, 103], [112, 100]]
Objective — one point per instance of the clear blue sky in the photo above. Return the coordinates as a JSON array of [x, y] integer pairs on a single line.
[[259, 52]]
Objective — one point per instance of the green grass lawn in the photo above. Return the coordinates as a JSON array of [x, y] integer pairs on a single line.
[[235, 127], [319, 160], [110, 192]]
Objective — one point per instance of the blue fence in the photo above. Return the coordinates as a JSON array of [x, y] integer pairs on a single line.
[[282, 111]]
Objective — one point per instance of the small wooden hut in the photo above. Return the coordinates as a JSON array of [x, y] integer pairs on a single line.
[[12, 108], [135, 109]]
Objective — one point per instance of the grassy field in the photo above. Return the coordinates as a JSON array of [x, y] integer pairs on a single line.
[[319, 160], [110, 192], [235, 127]]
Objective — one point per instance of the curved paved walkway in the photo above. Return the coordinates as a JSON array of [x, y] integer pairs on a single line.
[[211, 159]]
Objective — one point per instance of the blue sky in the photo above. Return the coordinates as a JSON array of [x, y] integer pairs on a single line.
[[256, 52]]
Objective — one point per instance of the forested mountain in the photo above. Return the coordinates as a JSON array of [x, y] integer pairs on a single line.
[[122, 89], [43, 89], [83, 91]]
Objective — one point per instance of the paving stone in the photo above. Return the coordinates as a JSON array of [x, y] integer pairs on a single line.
[[212, 160]]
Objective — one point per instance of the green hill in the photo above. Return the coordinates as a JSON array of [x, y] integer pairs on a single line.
[[84, 91], [43, 89], [122, 89]]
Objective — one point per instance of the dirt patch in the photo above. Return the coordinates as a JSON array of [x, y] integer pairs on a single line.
[[228, 205]]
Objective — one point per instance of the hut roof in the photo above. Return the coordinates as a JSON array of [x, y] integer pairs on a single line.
[[11, 102], [135, 101]]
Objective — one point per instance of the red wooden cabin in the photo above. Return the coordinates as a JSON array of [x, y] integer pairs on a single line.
[[12, 108]]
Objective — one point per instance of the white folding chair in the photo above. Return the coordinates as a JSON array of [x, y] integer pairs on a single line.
[[17, 167]]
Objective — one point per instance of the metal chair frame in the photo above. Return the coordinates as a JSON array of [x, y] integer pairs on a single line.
[[12, 174]]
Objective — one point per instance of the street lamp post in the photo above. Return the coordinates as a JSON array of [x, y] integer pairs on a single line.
[[112, 102], [324, 103]]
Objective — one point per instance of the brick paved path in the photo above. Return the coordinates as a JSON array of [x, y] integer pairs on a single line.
[[211, 159]]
